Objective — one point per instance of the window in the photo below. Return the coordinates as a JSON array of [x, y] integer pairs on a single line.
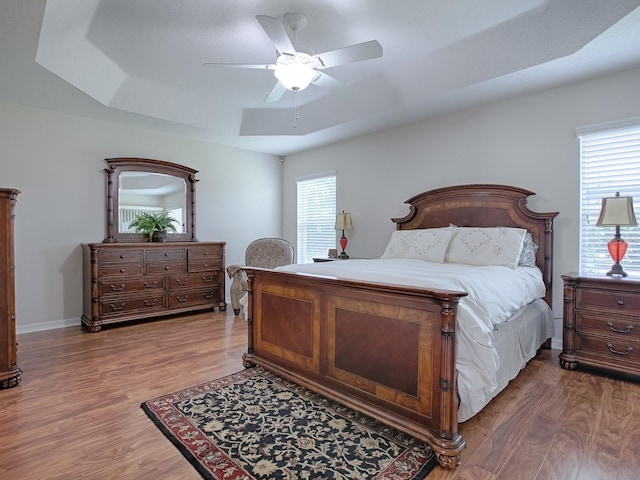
[[316, 216], [609, 163]]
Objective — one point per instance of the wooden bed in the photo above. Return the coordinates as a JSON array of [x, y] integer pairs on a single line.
[[388, 351]]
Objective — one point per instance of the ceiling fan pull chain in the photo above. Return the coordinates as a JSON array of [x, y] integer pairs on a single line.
[[295, 122]]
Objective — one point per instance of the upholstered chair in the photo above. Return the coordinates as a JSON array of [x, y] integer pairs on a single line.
[[262, 253]]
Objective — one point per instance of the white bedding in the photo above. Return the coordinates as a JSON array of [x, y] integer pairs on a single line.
[[495, 294]]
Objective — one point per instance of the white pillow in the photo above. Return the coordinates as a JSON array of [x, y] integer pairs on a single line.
[[429, 244], [486, 246], [529, 249]]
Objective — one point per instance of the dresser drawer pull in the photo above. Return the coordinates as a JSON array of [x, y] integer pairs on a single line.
[[151, 285], [208, 295], [122, 270], [619, 352], [208, 279], [182, 282], [619, 330], [117, 289], [167, 268], [115, 308], [620, 302], [122, 256], [150, 303], [182, 299]]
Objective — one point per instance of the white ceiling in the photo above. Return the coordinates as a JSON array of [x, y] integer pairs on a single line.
[[141, 62]]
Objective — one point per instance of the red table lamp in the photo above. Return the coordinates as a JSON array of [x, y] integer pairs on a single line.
[[343, 222], [616, 212]]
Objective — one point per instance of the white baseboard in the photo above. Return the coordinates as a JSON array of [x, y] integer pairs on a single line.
[[40, 327]]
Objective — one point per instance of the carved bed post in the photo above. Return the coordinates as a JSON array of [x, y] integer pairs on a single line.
[[449, 389], [248, 313]]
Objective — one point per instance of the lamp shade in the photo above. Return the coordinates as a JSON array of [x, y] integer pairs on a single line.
[[343, 221], [617, 211]]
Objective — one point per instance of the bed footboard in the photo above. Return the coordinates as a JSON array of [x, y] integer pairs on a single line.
[[387, 351]]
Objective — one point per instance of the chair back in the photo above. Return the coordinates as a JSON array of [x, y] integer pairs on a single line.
[[269, 253]]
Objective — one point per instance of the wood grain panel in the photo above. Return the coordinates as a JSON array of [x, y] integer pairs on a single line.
[[384, 350], [293, 330]]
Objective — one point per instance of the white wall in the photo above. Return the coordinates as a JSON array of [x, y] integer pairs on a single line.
[[528, 141], [57, 162]]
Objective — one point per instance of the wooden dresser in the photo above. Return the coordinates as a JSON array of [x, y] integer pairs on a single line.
[[132, 281], [10, 374], [601, 324]]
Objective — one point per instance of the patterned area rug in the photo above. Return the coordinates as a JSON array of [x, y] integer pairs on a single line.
[[255, 425]]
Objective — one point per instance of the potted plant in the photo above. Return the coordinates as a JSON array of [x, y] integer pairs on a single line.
[[154, 225]]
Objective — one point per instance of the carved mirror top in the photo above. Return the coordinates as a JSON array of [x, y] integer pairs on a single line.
[[136, 185]]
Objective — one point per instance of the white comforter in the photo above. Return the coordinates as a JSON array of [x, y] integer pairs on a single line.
[[495, 293]]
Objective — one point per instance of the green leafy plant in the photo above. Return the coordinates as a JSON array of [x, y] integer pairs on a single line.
[[149, 223]]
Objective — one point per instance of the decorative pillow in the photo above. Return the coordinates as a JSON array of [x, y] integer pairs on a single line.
[[486, 246], [529, 249], [429, 244]]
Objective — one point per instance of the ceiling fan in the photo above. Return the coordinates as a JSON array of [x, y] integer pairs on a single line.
[[297, 66]]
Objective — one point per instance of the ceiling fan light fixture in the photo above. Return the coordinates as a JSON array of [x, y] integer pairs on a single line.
[[296, 72]]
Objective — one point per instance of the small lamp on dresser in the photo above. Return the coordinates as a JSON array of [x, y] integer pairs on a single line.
[[343, 222], [616, 212]]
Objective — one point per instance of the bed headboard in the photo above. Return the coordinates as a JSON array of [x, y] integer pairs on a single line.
[[484, 205]]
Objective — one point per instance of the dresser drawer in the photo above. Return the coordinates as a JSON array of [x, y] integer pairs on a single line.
[[161, 255], [121, 255], [129, 269], [131, 285], [166, 267], [611, 300], [200, 253], [617, 327], [129, 304], [190, 280], [189, 298], [205, 265]]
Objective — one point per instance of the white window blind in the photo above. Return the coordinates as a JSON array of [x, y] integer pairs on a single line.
[[316, 216], [609, 163]]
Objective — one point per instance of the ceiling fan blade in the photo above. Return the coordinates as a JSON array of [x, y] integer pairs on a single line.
[[241, 65], [327, 82], [276, 32], [276, 93], [351, 54]]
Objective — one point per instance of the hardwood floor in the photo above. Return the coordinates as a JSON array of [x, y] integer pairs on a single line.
[[76, 413]]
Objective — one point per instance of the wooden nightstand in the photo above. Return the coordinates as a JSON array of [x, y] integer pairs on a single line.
[[601, 322]]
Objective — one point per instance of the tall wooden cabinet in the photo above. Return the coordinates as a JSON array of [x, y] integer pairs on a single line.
[[10, 374], [133, 281]]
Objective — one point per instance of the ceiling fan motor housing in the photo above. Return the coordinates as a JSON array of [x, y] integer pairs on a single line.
[[296, 21]]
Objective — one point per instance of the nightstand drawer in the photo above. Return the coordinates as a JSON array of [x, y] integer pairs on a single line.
[[615, 354], [609, 324], [610, 300]]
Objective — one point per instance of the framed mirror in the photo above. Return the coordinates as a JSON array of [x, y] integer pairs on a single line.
[[137, 185]]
